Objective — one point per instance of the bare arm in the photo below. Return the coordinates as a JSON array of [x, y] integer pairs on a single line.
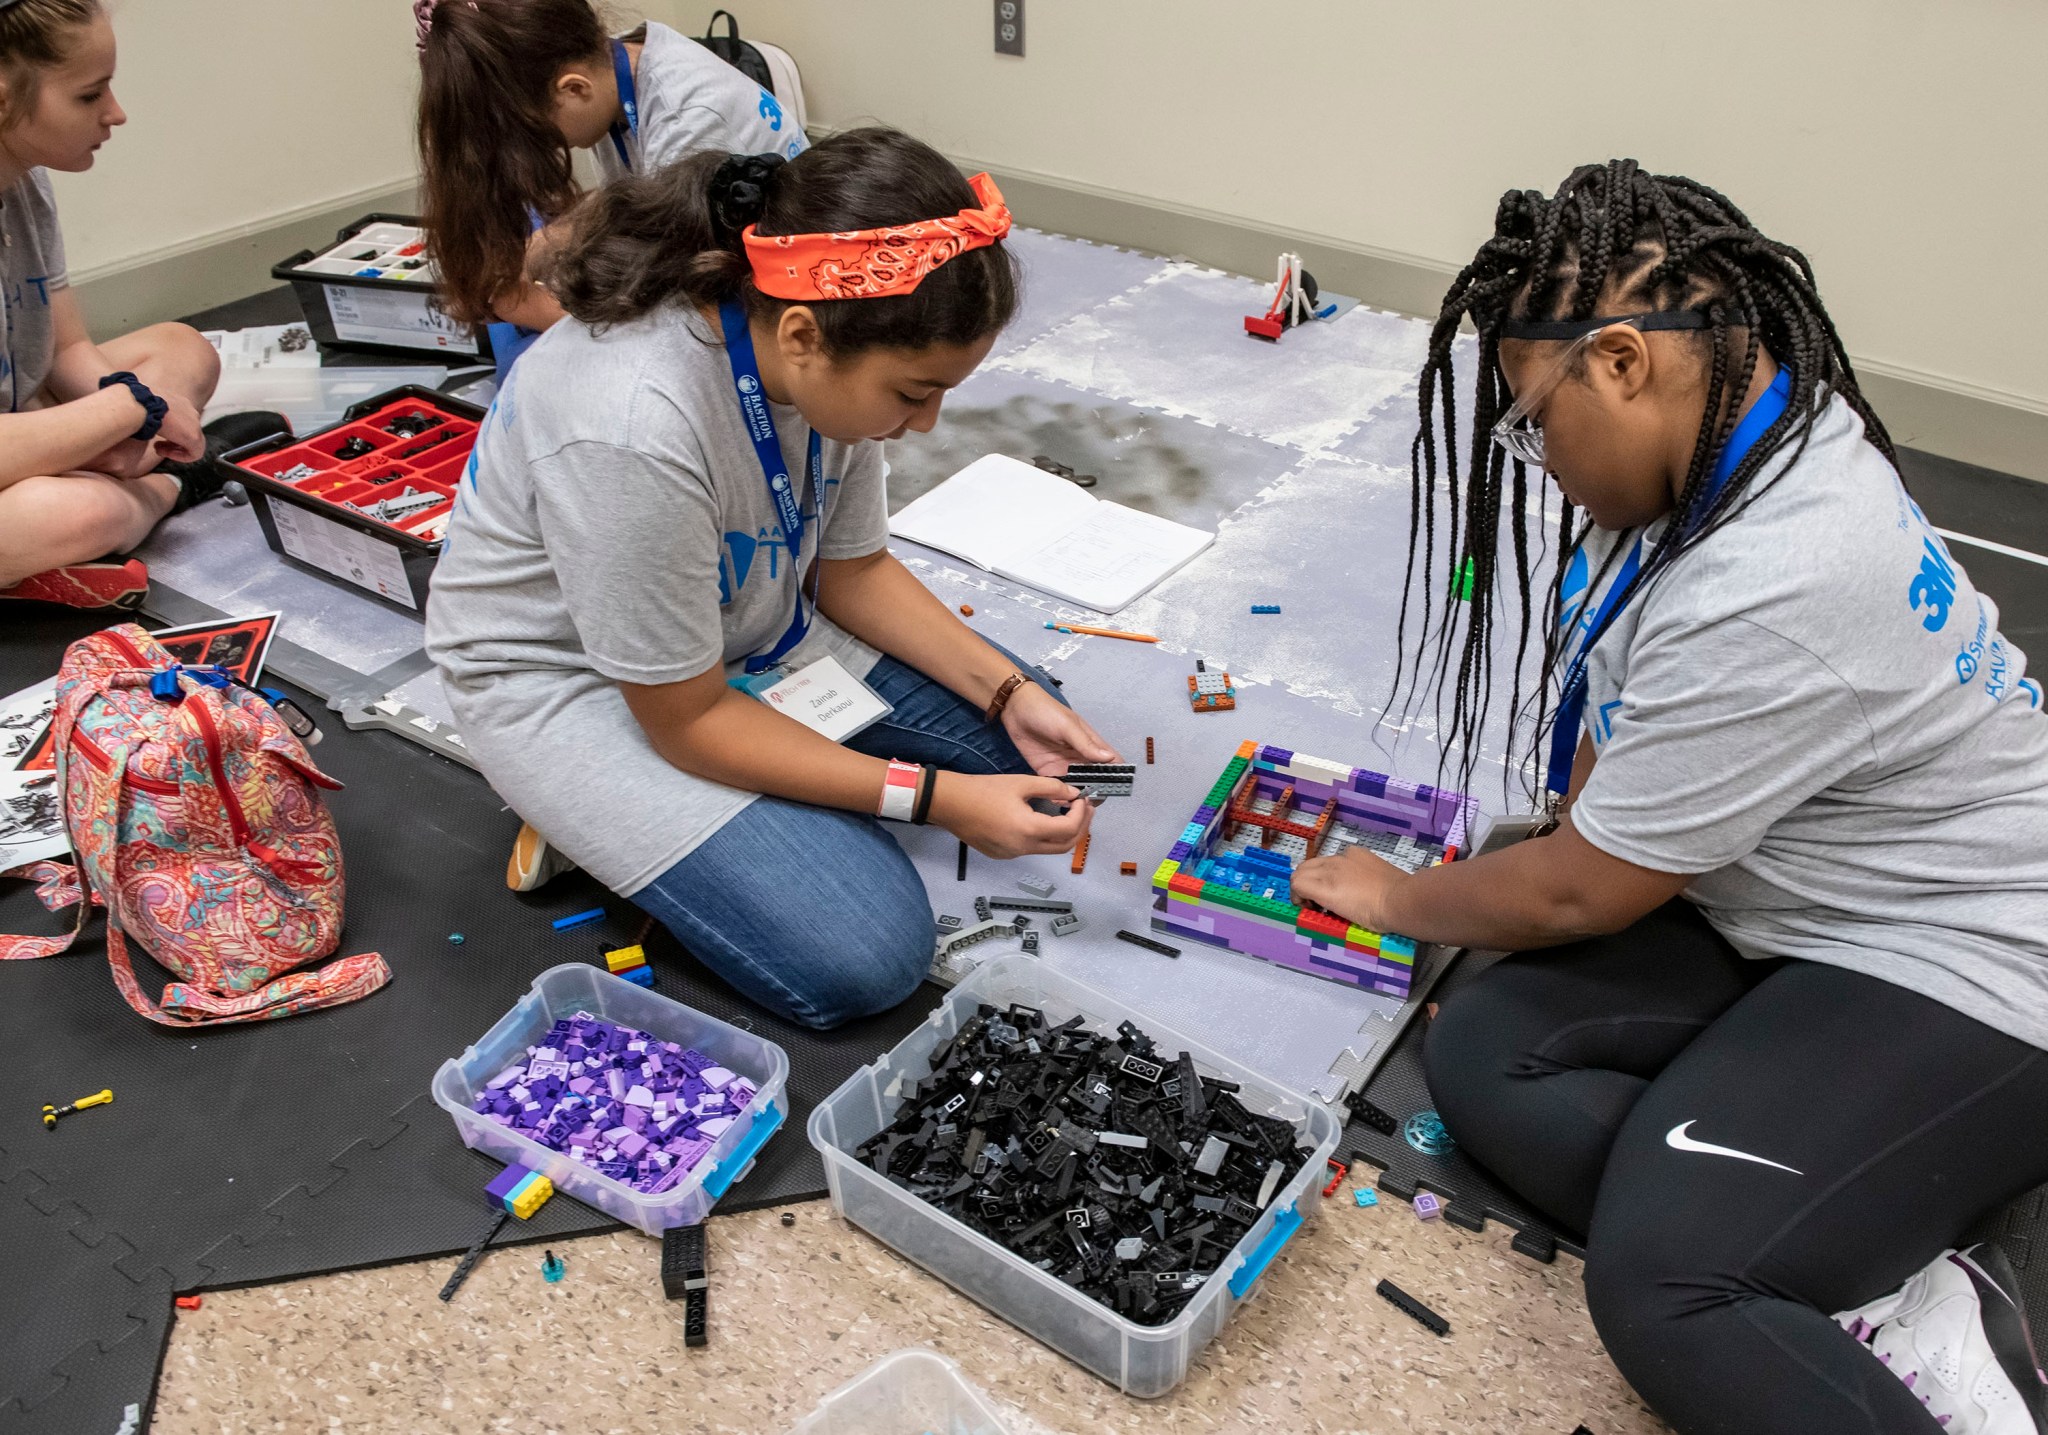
[[707, 728], [704, 727], [1538, 893], [89, 427], [879, 601]]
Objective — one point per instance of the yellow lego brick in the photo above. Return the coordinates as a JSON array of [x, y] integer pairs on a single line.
[[531, 1196], [625, 957], [1165, 873]]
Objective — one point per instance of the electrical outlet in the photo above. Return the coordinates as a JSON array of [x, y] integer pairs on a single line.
[[1010, 27]]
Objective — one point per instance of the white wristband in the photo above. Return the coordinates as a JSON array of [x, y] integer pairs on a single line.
[[899, 792]]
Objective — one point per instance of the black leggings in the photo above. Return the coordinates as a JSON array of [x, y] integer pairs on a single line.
[[1879, 1125]]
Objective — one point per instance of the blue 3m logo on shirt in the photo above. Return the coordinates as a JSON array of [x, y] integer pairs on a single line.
[[1933, 588], [771, 112]]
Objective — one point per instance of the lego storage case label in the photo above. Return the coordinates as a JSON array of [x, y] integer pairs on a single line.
[[342, 551], [379, 316]]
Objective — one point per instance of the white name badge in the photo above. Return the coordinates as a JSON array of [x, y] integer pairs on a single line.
[[824, 697]]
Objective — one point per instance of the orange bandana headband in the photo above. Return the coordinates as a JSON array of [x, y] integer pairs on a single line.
[[871, 263]]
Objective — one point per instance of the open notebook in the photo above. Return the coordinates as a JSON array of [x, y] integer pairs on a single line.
[[1031, 527]]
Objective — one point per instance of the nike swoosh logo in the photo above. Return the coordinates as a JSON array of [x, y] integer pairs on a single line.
[[1677, 1140]]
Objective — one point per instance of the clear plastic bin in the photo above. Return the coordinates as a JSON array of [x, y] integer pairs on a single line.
[[1143, 1360], [577, 986], [913, 1392], [313, 399]]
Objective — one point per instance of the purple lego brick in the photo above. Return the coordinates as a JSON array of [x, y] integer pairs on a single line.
[[1278, 756], [501, 1185]]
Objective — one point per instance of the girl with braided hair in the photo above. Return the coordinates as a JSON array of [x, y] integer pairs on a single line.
[[1772, 1041], [676, 512], [509, 91]]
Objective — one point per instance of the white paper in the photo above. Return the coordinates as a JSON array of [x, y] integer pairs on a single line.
[[1035, 528], [268, 346], [827, 698], [1107, 564], [24, 718], [31, 818], [993, 509], [345, 552]]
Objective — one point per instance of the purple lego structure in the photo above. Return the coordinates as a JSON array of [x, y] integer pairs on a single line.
[[1226, 881]]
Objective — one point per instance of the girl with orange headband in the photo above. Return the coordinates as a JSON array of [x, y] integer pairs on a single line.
[[676, 516]]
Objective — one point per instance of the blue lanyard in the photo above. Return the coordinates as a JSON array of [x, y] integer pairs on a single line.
[[1571, 702], [746, 383], [629, 100]]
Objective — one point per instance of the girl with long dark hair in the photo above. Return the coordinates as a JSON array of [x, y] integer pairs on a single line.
[[510, 90], [1773, 1037], [677, 497]]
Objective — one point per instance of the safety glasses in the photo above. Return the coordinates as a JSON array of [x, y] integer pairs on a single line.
[[1518, 432]]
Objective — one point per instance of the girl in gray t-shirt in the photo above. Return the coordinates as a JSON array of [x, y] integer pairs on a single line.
[[510, 91], [679, 490], [1776, 1034], [84, 426]]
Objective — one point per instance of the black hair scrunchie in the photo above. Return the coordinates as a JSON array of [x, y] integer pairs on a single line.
[[739, 190]]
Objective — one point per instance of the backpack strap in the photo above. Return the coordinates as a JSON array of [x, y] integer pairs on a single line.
[[344, 980], [57, 887]]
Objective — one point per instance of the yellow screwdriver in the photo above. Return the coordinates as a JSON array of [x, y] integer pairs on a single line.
[[98, 1098]]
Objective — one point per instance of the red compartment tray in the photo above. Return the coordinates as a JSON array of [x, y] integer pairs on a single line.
[[394, 465]]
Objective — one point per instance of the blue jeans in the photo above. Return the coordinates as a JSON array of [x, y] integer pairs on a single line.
[[815, 913]]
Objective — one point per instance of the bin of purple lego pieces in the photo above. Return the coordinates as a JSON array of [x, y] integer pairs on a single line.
[[625, 1099], [625, 1103]]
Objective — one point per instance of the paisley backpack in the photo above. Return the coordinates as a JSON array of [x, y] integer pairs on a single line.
[[196, 820]]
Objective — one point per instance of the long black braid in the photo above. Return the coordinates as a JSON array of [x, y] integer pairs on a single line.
[[1613, 239]]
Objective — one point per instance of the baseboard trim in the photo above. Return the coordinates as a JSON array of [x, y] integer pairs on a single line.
[[1923, 411], [215, 268]]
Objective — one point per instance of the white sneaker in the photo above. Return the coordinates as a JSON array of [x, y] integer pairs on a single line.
[[1957, 1336]]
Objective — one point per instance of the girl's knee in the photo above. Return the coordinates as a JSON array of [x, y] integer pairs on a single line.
[[885, 964], [48, 521], [180, 351]]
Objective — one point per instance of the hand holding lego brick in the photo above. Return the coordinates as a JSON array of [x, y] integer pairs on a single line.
[[1050, 734], [1352, 884], [994, 816]]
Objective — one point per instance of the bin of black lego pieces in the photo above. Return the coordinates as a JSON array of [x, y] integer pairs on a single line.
[[1117, 1169]]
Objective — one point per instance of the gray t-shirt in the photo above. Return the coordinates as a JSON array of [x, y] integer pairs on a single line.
[[1814, 709], [31, 270], [615, 526], [691, 101]]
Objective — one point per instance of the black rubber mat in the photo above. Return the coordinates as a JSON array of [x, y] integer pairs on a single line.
[[1471, 1194], [294, 1147]]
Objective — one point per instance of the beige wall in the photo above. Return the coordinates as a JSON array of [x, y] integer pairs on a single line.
[[1901, 144], [241, 113]]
